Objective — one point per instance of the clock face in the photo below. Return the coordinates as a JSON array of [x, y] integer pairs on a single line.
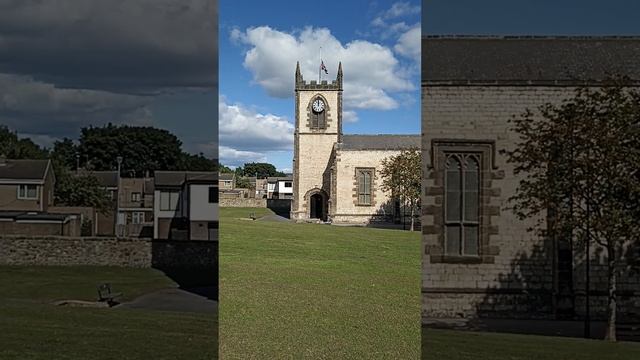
[[318, 106]]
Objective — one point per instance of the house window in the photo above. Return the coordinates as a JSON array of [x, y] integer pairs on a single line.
[[28, 192], [169, 200], [112, 194], [137, 217], [287, 184], [213, 195], [135, 196], [364, 180], [462, 204]]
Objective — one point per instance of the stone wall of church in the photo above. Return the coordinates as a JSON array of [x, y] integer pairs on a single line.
[[513, 277], [314, 149], [346, 208]]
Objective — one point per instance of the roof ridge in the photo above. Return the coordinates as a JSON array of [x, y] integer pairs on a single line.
[[532, 37]]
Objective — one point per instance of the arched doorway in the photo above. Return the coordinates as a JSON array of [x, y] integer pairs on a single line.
[[316, 202]]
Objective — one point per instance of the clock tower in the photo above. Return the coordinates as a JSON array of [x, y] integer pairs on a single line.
[[318, 111]]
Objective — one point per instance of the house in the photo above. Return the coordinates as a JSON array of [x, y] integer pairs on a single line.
[[185, 205], [135, 207], [226, 181], [280, 187], [105, 224], [261, 188], [26, 196]]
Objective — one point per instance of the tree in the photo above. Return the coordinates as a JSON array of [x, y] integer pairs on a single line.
[[197, 163], [401, 177], [84, 190], [65, 154], [225, 169], [143, 149], [244, 183], [13, 147], [260, 170], [579, 164]]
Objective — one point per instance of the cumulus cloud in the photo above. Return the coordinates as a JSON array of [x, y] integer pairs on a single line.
[[119, 45], [388, 22], [400, 9], [46, 112], [244, 128], [409, 44], [349, 116], [232, 157], [371, 71]]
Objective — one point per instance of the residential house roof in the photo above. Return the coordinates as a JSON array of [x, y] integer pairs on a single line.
[[178, 178], [226, 176], [279, 178], [11, 169], [379, 142], [543, 60], [108, 178]]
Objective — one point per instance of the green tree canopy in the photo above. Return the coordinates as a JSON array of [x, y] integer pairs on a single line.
[[579, 162], [401, 177]]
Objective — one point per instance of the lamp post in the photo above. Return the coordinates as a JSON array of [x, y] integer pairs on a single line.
[[117, 219]]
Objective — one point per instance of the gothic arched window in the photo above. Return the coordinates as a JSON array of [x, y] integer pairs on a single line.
[[462, 204]]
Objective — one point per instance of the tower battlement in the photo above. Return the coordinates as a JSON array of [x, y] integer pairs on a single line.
[[301, 84]]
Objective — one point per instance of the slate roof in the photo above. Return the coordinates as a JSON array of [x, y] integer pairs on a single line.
[[178, 178], [380, 142], [226, 176], [26, 216], [105, 178], [279, 178], [23, 169], [529, 59]]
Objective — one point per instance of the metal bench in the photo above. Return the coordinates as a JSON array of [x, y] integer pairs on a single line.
[[106, 295]]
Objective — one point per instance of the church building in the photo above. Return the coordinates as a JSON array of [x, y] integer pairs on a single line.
[[336, 176], [479, 259]]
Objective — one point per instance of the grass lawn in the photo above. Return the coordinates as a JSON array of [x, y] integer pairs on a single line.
[[307, 291], [466, 345], [32, 328]]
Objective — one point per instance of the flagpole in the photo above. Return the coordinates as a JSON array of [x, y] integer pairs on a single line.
[[320, 67]]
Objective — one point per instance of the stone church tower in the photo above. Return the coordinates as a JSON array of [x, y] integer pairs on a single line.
[[318, 111]]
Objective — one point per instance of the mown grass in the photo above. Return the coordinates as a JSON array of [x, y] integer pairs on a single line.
[[306, 291], [32, 328], [466, 345]]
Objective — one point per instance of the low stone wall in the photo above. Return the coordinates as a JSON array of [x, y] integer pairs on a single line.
[[242, 202], [134, 252]]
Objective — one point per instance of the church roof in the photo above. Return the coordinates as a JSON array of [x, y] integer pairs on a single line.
[[525, 60], [380, 142]]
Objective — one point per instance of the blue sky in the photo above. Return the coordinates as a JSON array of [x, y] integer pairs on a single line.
[[377, 42], [531, 17]]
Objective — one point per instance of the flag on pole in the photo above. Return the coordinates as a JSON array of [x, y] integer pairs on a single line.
[[322, 67]]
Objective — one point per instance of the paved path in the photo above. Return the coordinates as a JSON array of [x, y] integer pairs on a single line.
[[274, 217], [175, 300]]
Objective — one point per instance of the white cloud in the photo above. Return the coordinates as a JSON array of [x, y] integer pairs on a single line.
[[349, 116], [242, 128], [409, 44], [400, 9], [370, 69], [232, 157]]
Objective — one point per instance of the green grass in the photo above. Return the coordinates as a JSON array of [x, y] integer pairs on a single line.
[[465, 345], [32, 328], [306, 291]]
